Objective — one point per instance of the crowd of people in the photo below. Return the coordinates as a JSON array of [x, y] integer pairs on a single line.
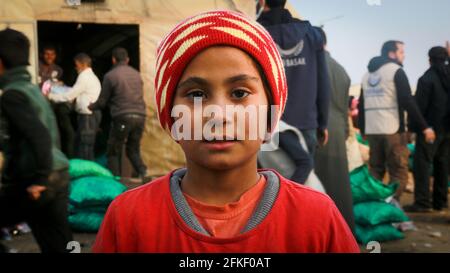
[[121, 92], [221, 201], [38, 136]]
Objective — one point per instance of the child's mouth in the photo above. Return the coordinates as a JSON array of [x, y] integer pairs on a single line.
[[218, 145]]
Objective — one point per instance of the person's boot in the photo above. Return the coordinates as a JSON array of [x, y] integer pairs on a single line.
[[440, 208], [414, 208]]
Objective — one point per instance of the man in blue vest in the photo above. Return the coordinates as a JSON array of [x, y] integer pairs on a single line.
[[385, 95], [35, 176], [302, 50]]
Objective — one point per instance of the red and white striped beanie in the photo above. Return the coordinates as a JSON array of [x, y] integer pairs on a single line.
[[208, 29]]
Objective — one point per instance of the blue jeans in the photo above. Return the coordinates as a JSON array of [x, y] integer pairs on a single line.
[[86, 133]]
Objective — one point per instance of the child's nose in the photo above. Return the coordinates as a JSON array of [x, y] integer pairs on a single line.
[[218, 113]]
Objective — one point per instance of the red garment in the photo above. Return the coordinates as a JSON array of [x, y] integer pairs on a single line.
[[301, 220], [228, 220]]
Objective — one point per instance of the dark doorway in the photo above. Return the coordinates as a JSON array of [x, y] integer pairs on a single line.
[[98, 41]]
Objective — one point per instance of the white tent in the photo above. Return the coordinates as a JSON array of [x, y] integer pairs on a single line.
[[154, 17]]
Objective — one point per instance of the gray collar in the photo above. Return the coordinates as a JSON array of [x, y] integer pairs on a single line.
[[262, 210]]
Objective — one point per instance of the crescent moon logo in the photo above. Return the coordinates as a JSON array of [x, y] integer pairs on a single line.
[[374, 79], [292, 52]]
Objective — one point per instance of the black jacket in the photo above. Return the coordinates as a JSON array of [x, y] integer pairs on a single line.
[[122, 91], [404, 98], [302, 50], [432, 98]]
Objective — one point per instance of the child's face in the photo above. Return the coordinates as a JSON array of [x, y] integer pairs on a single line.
[[222, 77]]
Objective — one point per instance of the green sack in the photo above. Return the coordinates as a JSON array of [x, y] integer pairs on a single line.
[[379, 233], [375, 213], [94, 191], [80, 168], [366, 188], [86, 221]]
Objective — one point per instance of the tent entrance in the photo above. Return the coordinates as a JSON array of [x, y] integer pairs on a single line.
[[98, 41]]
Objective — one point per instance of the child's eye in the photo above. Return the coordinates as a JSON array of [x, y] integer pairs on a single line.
[[196, 94], [240, 94]]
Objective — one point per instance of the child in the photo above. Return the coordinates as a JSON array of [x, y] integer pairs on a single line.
[[221, 202]]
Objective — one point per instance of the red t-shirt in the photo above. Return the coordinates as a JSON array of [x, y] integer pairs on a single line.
[[145, 219], [230, 219]]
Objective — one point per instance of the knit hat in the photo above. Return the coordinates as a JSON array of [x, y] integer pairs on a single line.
[[14, 48], [209, 29]]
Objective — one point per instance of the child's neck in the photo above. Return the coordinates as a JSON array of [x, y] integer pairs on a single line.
[[216, 187]]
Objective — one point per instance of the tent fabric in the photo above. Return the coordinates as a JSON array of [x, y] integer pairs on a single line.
[[154, 17]]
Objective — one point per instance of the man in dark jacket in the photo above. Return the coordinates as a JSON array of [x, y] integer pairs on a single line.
[[432, 97], [122, 92], [35, 175], [385, 95], [302, 50]]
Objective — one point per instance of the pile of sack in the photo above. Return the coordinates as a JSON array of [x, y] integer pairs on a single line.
[[374, 217], [92, 189]]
